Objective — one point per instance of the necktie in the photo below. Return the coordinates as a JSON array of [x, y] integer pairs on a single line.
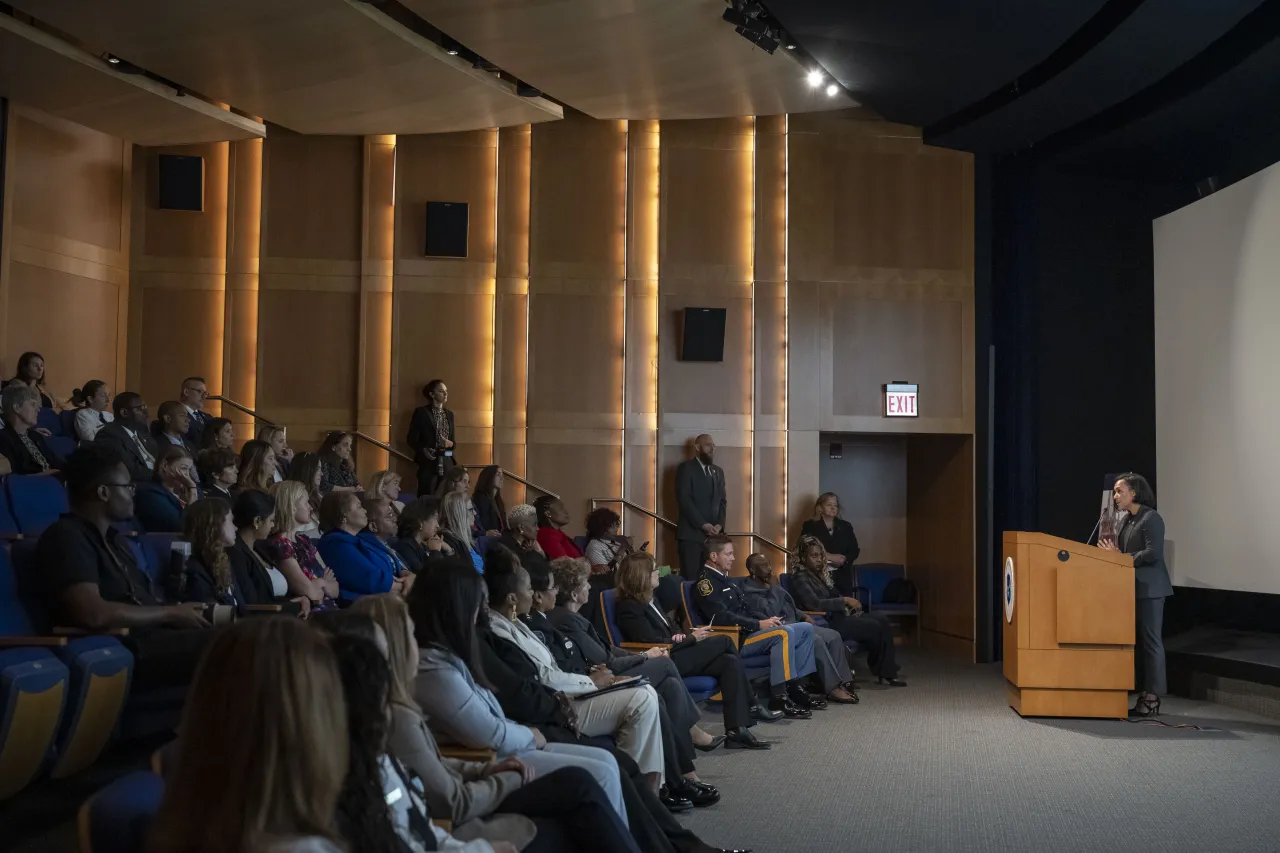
[[142, 448]]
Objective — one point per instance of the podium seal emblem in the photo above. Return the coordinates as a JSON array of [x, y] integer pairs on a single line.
[[1009, 592]]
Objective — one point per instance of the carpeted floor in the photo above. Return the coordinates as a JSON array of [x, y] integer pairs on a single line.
[[944, 764]]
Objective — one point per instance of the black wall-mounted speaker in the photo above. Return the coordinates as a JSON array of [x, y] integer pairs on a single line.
[[446, 229], [181, 182], [703, 336]]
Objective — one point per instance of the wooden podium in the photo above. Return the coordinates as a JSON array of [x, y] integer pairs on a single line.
[[1068, 633]]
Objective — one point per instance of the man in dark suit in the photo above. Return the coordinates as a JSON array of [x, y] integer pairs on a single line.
[[129, 437], [701, 500], [194, 393]]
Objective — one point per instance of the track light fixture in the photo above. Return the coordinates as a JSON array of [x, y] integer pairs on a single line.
[[752, 21]]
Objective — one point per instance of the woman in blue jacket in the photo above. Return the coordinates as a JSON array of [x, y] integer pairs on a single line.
[[361, 566]]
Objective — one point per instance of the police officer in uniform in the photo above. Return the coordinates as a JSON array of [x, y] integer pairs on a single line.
[[788, 647]]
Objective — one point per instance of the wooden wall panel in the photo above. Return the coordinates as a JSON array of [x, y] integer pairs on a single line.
[[940, 526], [179, 265], [577, 285], [769, 336], [511, 332], [373, 378], [443, 308], [244, 243], [64, 259], [309, 284]]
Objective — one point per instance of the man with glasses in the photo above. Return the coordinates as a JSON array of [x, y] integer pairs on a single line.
[[194, 393], [129, 437], [91, 578]]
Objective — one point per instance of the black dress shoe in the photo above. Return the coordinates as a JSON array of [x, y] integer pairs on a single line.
[[745, 739], [893, 682], [765, 715], [673, 803], [716, 740], [698, 793], [805, 699], [788, 709]]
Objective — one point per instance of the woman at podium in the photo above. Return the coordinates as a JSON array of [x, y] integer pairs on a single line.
[[1141, 534]]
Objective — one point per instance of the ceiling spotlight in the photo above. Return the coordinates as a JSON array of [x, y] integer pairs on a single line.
[[453, 51], [814, 78], [832, 90], [790, 45], [114, 60]]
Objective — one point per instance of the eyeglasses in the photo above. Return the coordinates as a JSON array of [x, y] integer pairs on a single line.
[[131, 487]]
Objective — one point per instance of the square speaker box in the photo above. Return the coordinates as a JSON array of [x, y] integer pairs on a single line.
[[446, 229]]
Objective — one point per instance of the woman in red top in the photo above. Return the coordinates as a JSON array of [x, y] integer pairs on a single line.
[[552, 516]]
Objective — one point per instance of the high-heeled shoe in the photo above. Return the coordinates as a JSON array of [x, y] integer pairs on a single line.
[[1145, 707]]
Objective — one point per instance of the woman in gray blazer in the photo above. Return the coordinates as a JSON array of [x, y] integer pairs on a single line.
[[1142, 535]]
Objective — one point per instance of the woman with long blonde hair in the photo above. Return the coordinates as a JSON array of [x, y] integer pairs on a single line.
[[257, 466], [262, 749], [813, 590], [457, 512], [293, 553], [277, 438]]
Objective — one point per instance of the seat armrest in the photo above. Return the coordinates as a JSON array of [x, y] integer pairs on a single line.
[[27, 642], [733, 632], [65, 631], [443, 823], [467, 753]]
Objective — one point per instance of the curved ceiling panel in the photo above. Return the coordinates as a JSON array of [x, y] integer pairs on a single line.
[[1157, 38], [917, 61]]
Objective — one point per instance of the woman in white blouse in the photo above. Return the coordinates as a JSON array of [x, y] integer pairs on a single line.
[[94, 412]]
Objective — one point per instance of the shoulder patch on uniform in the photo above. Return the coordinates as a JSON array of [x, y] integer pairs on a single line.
[[704, 587]]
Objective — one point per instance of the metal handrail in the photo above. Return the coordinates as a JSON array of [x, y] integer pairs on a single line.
[[382, 444], [511, 475], [651, 514], [241, 407]]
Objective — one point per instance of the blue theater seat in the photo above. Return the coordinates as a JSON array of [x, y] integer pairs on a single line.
[[874, 577], [68, 419], [8, 524], [37, 501], [33, 693], [63, 445], [49, 419], [701, 687], [99, 667], [116, 818]]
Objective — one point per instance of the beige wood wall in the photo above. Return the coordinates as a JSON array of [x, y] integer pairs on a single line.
[[64, 258]]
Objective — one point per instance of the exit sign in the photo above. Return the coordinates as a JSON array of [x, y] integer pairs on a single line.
[[901, 400]]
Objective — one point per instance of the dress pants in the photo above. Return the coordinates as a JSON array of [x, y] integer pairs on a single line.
[[873, 631], [831, 658], [717, 657], [1150, 674], [631, 717], [790, 651], [665, 678], [430, 475], [571, 813], [691, 557], [599, 763]]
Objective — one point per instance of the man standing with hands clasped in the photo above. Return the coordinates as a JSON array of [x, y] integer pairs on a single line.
[[700, 498]]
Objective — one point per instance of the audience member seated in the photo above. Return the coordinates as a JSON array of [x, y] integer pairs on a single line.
[[453, 690], [93, 403], [31, 373], [386, 484], [259, 580], [305, 469], [491, 511], [380, 530], [275, 435], [431, 436], [555, 615], [207, 578], [293, 553], [701, 652], [418, 539], [361, 569], [456, 479], [813, 589], [219, 471], [605, 548], [630, 715], [261, 749], [128, 436], [91, 579], [380, 808], [171, 425], [20, 442], [337, 473], [836, 535], [522, 538], [457, 517], [764, 597], [218, 434], [192, 398], [718, 601], [552, 518], [485, 799], [257, 467], [160, 501]]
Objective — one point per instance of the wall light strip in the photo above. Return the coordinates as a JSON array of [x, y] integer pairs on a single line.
[[755, 373], [626, 274], [493, 314], [786, 322]]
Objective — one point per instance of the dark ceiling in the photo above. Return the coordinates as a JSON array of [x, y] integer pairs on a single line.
[[1162, 89]]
